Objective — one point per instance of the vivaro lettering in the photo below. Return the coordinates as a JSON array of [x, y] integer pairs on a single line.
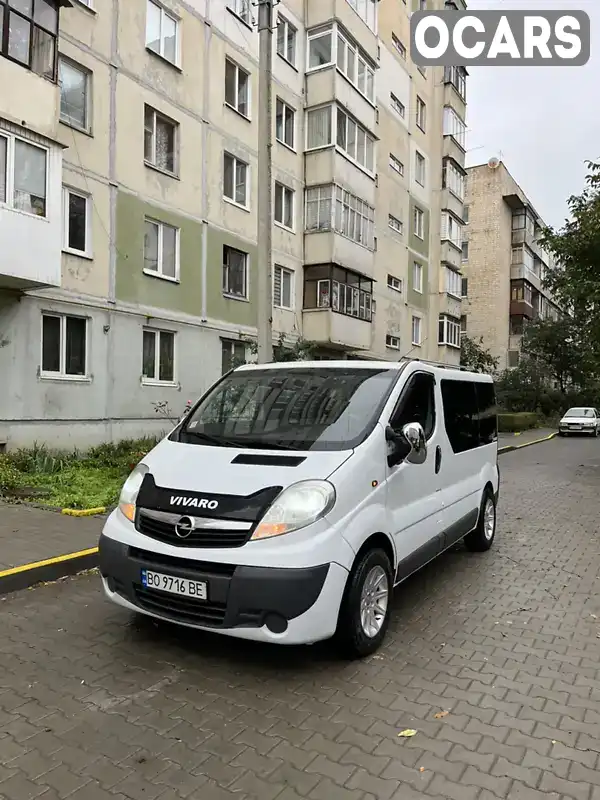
[[194, 502]]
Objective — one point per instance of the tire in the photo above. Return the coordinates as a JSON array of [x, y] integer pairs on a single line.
[[562, 433], [352, 637], [482, 537]]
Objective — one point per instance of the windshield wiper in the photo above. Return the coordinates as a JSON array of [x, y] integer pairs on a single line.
[[266, 444], [212, 439]]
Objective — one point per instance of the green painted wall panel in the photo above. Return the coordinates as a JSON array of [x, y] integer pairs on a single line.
[[219, 307], [418, 299]]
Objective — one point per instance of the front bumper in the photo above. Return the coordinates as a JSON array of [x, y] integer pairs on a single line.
[[265, 603]]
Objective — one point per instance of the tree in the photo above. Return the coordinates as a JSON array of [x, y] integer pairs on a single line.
[[475, 357], [559, 350], [574, 279]]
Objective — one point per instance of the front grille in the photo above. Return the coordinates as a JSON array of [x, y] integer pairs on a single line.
[[153, 560], [161, 526], [180, 609]]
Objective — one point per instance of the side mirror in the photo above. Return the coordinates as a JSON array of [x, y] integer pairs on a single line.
[[415, 436]]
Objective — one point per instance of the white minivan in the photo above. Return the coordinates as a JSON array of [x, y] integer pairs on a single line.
[[293, 497]]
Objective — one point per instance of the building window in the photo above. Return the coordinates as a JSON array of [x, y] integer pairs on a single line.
[[394, 283], [64, 346], [160, 140], [161, 32], [417, 277], [343, 291], [367, 11], [395, 224], [465, 251], [158, 356], [466, 214], [463, 324], [419, 168], [241, 8], [320, 48], [399, 46], [419, 223], [452, 230], [283, 287], [28, 34], [457, 76], [237, 88], [233, 354], [77, 220], [396, 165], [416, 331], [355, 67], [393, 342], [235, 180], [23, 175], [319, 127], [397, 105], [319, 208], [74, 82], [453, 283], [235, 273], [354, 218], [421, 114], [285, 124], [454, 126], [354, 140], [161, 249], [284, 206], [286, 40], [453, 179], [464, 287], [448, 331]]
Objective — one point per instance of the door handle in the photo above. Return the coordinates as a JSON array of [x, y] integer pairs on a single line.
[[438, 459]]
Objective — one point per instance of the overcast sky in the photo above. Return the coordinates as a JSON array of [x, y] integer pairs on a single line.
[[544, 122]]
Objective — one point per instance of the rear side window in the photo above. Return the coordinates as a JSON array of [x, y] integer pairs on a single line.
[[469, 414]]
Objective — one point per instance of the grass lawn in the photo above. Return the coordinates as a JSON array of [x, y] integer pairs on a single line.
[[70, 480]]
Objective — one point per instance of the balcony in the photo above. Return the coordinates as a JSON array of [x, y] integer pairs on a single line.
[[329, 247], [522, 308], [451, 254], [523, 273], [30, 210], [356, 16], [338, 331], [327, 85], [329, 166], [524, 236], [452, 149], [450, 202]]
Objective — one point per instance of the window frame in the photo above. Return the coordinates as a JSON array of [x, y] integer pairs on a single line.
[[158, 273], [453, 179], [417, 270], [449, 223], [156, 381], [164, 12], [287, 28], [292, 279], [391, 281], [242, 9], [449, 331], [288, 198], [419, 223], [399, 46], [62, 375], [9, 202], [88, 110], [285, 107], [339, 290], [158, 115], [89, 206], [232, 344], [227, 293], [352, 73], [416, 341], [392, 342], [399, 228], [33, 25], [420, 168], [236, 163], [454, 126], [421, 114], [239, 70], [320, 33], [399, 168], [452, 282], [397, 106], [395, 417], [350, 120]]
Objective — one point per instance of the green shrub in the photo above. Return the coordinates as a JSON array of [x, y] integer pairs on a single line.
[[10, 477], [515, 422]]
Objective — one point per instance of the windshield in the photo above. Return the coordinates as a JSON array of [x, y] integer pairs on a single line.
[[296, 409], [580, 412]]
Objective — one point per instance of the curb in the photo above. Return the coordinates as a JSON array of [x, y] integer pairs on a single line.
[[85, 512], [51, 569], [511, 447]]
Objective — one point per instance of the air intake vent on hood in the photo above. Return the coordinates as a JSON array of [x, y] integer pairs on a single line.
[[268, 460]]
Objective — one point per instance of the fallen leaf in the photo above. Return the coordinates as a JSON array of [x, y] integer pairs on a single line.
[[441, 714], [553, 741], [421, 769], [407, 733]]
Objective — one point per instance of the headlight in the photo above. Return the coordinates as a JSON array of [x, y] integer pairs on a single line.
[[296, 507], [130, 490]]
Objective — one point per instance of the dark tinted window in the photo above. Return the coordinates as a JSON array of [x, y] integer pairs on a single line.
[[460, 414], [488, 420], [304, 409], [417, 404]]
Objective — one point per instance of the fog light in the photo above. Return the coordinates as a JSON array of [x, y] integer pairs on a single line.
[[276, 623]]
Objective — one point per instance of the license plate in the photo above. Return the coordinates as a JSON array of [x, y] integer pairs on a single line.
[[173, 585]]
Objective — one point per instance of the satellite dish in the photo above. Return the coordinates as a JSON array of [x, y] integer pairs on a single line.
[[494, 163]]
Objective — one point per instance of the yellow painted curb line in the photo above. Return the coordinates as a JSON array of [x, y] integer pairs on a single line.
[[87, 512], [537, 441], [48, 562]]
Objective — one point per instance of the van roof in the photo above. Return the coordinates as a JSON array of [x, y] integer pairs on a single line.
[[452, 370]]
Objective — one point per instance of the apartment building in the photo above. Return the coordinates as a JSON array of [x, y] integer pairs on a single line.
[[128, 200], [503, 263]]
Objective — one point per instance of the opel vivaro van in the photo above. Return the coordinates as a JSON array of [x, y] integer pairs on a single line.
[[293, 497]]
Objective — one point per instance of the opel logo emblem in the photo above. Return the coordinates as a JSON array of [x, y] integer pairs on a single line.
[[184, 527]]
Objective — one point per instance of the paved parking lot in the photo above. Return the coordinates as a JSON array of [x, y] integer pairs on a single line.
[[95, 706]]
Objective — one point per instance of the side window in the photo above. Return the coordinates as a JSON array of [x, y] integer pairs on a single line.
[[460, 414], [488, 420], [416, 404]]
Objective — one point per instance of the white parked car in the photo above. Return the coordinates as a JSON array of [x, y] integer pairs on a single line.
[[580, 420], [292, 498]]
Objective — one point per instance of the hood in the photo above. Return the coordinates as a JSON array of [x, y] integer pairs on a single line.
[[201, 468]]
